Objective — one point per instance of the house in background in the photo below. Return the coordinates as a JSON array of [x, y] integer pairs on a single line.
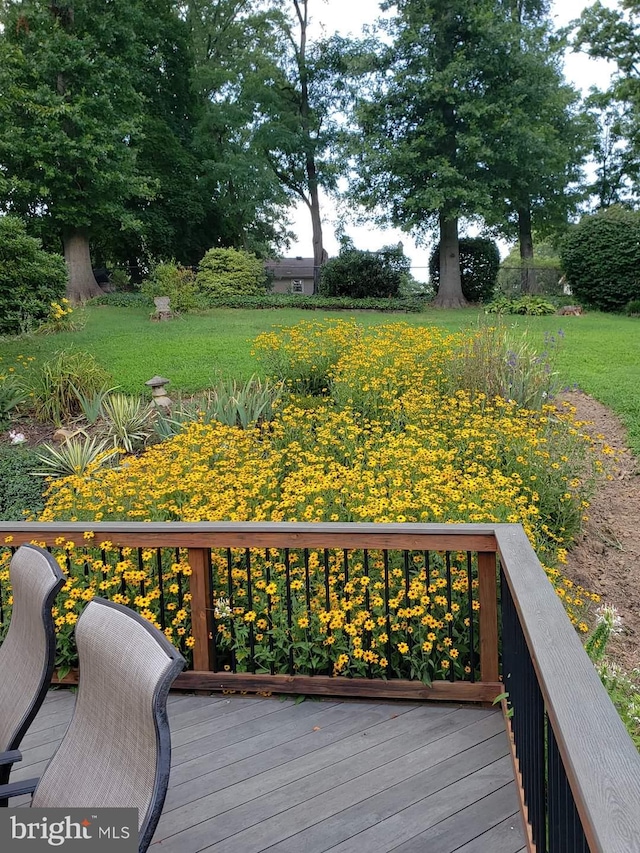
[[291, 275]]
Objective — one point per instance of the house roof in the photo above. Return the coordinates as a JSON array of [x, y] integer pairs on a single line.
[[291, 267]]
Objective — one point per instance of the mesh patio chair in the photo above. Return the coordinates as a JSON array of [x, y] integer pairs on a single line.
[[27, 655], [117, 749]]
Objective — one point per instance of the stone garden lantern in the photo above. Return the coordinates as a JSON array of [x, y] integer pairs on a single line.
[[159, 394]]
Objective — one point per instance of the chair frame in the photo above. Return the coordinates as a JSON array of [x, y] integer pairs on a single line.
[[12, 753], [161, 722]]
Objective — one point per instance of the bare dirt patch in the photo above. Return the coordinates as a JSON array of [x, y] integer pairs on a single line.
[[606, 557]]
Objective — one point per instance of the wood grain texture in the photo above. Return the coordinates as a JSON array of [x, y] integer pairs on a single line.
[[251, 775], [600, 760], [488, 600], [242, 534], [324, 685], [201, 608]]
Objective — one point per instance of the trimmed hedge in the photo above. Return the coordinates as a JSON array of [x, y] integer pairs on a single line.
[[410, 305], [601, 259]]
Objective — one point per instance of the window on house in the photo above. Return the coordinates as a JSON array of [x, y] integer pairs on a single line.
[[296, 285]]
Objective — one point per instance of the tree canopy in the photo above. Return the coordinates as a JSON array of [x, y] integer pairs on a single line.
[[137, 131]]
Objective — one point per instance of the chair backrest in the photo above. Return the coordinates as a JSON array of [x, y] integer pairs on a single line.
[[117, 749], [27, 655]]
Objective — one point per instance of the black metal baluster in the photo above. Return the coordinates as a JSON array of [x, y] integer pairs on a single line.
[[386, 610], [180, 596], [367, 601], [307, 585], [287, 570], [528, 720], [214, 621], [566, 834], [267, 555], [452, 675], [163, 615], [252, 641], [141, 570], [232, 623], [471, 617]]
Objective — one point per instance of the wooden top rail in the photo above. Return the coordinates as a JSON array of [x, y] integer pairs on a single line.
[[251, 534], [600, 760]]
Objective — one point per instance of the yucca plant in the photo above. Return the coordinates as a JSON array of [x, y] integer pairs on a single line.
[[229, 403], [91, 403], [74, 456], [242, 405], [128, 421]]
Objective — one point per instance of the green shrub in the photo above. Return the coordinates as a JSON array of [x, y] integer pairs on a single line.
[[601, 259], [479, 266], [20, 491], [56, 385], [317, 303], [632, 308], [30, 278], [532, 306], [228, 272], [361, 275], [178, 283]]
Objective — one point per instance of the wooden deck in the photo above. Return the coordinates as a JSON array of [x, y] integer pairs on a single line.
[[256, 774]]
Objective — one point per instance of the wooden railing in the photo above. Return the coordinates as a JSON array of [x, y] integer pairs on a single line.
[[577, 769]]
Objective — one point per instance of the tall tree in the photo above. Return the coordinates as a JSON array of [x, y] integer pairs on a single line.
[[543, 135], [426, 123], [232, 41], [69, 120], [297, 98], [615, 156], [614, 35]]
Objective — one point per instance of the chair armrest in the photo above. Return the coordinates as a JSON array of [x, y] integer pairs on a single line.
[[10, 756], [17, 789]]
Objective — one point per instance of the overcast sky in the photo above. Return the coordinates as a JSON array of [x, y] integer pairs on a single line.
[[346, 17]]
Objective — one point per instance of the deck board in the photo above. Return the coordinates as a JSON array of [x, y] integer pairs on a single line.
[[263, 774]]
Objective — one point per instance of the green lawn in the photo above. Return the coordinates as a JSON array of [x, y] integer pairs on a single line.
[[600, 353]]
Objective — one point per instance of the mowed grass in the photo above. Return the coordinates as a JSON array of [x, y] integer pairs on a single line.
[[600, 353]]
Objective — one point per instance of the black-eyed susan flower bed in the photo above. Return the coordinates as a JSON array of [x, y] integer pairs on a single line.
[[375, 613], [389, 436]]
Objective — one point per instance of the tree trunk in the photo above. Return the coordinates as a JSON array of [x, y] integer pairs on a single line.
[[528, 281], [316, 223], [82, 284], [450, 291]]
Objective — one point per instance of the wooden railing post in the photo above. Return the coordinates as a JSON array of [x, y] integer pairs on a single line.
[[488, 600], [201, 608]]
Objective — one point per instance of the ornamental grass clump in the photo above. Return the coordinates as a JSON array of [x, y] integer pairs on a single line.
[[54, 386], [500, 361]]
